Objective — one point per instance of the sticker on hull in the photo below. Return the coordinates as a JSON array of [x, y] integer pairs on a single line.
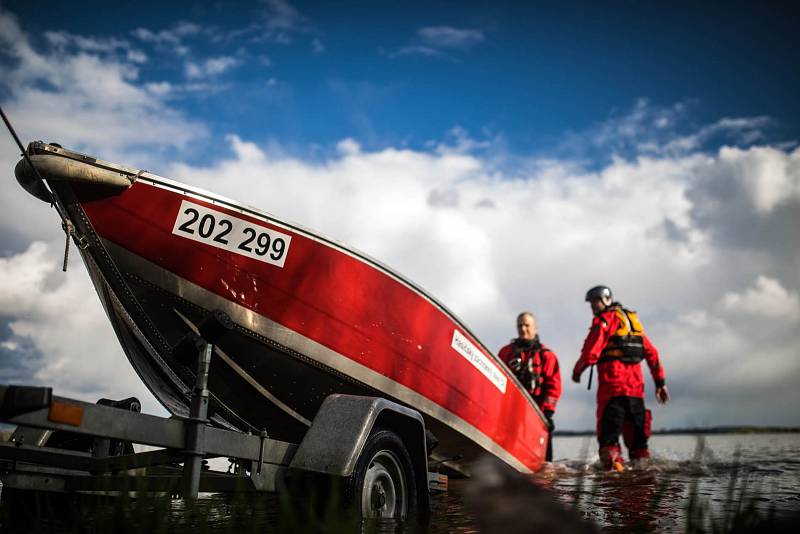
[[468, 350], [230, 233]]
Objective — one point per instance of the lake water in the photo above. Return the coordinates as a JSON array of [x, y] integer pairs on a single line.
[[722, 475]]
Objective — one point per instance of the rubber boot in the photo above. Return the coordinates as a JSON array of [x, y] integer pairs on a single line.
[[611, 456], [639, 454]]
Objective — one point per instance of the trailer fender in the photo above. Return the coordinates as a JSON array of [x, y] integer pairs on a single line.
[[341, 427]]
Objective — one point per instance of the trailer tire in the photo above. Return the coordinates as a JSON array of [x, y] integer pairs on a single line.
[[383, 484]]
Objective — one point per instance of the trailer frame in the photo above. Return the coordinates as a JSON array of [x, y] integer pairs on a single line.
[[258, 462]]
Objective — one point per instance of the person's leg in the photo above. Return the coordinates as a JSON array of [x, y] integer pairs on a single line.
[[640, 426], [548, 415], [609, 430], [628, 425]]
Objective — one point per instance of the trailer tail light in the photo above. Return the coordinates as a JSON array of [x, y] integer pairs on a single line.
[[68, 414]]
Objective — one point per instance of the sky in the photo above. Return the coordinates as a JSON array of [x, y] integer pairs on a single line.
[[504, 157]]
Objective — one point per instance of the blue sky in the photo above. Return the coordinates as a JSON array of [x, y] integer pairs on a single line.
[[403, 74], [528, 151]]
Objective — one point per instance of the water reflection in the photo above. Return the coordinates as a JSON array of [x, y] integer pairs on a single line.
[[630, 501]]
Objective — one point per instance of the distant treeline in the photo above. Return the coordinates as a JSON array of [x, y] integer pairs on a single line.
[[701, 430]]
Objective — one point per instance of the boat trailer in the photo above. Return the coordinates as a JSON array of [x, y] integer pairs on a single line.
[[67, 445]]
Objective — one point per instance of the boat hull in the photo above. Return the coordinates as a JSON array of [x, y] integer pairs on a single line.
[[312, 317]]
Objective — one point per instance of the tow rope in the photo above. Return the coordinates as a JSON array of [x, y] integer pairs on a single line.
[[66, 224], [69, 230]]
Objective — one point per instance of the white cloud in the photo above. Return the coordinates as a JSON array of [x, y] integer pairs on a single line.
[[646, 129], [172, 36], [210, 67], [277, 22], [770, 176], [348, 146], [136, 56], [63, 40], [160, 89], [416, 50], [450, 37], [440, 41], [80, 353], [729, 368], [84, 99], [458, 140], [281, 15], [271, 21], [766, 298], [744, 130], [176, 42]]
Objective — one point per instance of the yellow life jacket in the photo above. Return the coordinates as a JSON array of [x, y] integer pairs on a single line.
[[626, 344]]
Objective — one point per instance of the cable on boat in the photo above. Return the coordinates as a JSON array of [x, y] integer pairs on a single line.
[[66, 224]]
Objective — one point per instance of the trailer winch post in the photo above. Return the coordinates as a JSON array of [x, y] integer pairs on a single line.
[[196, 425]]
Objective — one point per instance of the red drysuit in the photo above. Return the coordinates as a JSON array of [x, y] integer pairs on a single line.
[[545, 370], [615, 377]]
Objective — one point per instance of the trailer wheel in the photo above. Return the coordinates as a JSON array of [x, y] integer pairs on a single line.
[[383, 484]]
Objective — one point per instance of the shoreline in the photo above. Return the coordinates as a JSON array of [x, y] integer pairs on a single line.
[[699, 430]]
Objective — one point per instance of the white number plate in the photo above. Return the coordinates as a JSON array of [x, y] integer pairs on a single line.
[[220, 230]]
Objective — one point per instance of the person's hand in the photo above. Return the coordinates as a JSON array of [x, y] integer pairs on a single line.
[[576, 377], [662, 395]]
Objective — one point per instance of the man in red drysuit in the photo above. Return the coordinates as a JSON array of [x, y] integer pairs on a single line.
[[536, 366], [617, 344]]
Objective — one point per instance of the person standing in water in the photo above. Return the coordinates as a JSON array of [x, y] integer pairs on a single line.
[[536, 367], [617, 344]]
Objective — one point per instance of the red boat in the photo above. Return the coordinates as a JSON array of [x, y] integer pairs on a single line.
[[311, 316]]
